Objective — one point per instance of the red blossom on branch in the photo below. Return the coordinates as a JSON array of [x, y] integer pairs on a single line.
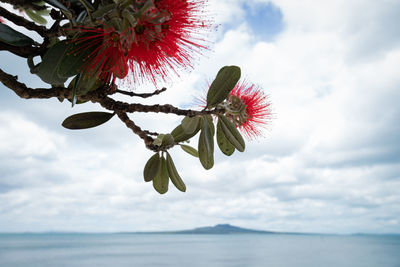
[[106, 49], [252, 106], [166, 38]]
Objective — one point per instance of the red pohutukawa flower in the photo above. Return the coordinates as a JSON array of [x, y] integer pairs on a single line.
[[106, 49], [248, 108], [150, 40], [166, 38]]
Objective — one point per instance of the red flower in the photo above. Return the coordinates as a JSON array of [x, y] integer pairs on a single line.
[[248, 108], [106, 50], [166, 37]]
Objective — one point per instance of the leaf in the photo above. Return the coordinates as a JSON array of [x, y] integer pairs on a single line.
[[206, 146], [174, 175], [179, 134], [164, 140], [72, 62], [12, 37], [101, 11], [59, 5], [81, 17], [48, 69], [231, 133], [191, 125], [161, 180], [192, 151], [158, 140], [35, 16], [224, 145], [86, 120], [84, 84], [167, 140], [223, 84], [87, 4], [152, 167], [210, 123]]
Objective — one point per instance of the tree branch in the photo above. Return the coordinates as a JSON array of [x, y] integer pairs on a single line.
[[24, 3], [22, 51], [111, 104], [97, 96], [25, 92], [145, 95], [20, 21]]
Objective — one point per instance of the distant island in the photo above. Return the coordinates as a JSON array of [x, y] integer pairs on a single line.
[[221, 229]]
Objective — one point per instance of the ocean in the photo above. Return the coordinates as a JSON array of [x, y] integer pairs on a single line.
[[236, 250]]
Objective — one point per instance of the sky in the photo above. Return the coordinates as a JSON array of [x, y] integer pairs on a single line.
[[329, 161]]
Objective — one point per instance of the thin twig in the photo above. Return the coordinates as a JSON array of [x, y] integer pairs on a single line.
[[144, 95], [137, 130], [150, 133]]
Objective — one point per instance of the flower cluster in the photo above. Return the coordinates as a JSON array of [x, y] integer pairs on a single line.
[[107, 56], [248, 108], [149, 40]]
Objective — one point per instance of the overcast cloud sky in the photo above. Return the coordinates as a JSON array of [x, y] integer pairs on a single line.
[[329, 162]]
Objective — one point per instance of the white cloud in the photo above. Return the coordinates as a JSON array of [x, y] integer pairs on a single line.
[[329, 163], [24, 138]]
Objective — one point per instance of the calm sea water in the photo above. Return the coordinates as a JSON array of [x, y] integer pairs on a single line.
[[120, 250]]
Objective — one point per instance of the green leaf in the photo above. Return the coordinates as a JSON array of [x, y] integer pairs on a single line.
[[72, 61], [179, 134], [86, 120], [164, 140], [192, 151], [158, 140], [35, 17], [152, 167], [87, 4], [223, 84], [167, 140], [174, 175], [101, 11], [231, 133], [43, 12], [224, 145], [84, 84], [210, 123], [48, 69], [59, 5], [206, 145], [161, 180], [10, 36], [191, 125], [81, 17]]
